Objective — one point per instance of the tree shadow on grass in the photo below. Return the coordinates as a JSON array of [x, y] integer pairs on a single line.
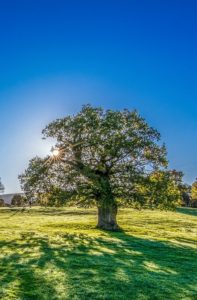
[[188, 211], [46, 211], [111, 266], [61, 212]]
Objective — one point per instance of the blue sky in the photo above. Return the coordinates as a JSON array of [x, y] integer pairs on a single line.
[[57, 55]]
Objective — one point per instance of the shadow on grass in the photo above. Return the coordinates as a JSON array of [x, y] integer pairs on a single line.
[[188, 211], [77, 266], [56, 212], [45, 211]]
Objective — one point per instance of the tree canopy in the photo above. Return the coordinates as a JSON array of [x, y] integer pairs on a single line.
[[103, 158]]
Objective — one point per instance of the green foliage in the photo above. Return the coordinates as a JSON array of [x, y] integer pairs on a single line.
[[103, 156], [194, 190], [55, 197], [194, 194], [163, 190], [2, 188], [18, 200], [34, 181], [157, 190], [2, 203], [106, 158], [58, 254]]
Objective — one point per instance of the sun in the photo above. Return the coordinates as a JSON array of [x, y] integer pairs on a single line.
[[56, 152]]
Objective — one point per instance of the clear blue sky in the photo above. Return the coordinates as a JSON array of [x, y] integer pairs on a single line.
[[57, 55]]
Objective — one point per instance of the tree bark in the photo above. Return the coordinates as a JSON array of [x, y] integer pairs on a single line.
[[107, 206], [107, 213]]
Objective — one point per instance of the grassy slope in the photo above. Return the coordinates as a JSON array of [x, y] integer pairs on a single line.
[[58, 254]]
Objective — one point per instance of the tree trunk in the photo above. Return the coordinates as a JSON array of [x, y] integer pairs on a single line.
[[107, 213]]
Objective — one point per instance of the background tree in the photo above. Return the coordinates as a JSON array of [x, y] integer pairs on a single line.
[[2, 188], [2, 203], [184, 189], [18, 200], [103, 156], [55, 197], [164, 189], [194, 194], [160, 189]]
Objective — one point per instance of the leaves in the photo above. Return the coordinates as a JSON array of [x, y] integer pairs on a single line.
[[117, 148]]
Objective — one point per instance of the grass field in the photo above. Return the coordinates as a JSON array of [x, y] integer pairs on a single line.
[[59, 254]]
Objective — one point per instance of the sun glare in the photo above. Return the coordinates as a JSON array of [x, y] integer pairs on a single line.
[[56, 152]]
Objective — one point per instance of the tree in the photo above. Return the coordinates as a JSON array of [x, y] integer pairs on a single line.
[[163, 189], [18, 200], [194, 194], [2, 188], [55, 197], [102, 156], [2, 203], [184, 188]]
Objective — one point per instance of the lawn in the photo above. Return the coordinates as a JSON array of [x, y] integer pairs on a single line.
[[59, 254]]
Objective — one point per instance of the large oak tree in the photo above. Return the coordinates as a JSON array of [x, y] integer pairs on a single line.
[[103, 156]]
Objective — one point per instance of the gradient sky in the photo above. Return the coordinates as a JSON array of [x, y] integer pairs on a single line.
[[57, 55]]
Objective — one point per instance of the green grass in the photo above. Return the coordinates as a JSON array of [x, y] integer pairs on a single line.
[[59, 254]]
